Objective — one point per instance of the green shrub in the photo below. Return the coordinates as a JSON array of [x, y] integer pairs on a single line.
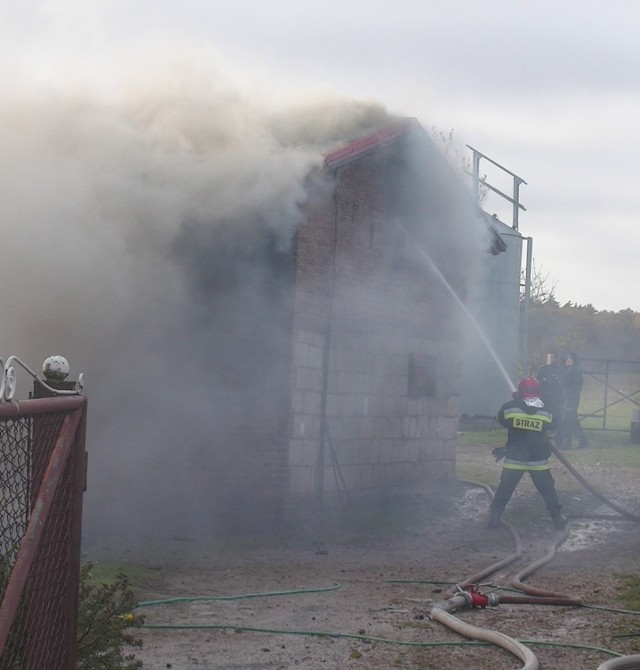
[[105, 622]]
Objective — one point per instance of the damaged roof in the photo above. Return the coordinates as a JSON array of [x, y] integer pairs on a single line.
[[385, 136]]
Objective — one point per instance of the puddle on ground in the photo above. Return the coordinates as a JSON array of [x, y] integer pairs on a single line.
[[589, 533], [584, 533]]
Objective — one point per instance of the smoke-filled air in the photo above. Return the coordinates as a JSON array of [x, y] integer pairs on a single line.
[[109, 205], [124, 210]]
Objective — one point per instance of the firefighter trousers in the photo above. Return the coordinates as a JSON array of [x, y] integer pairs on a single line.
[[542, 480]]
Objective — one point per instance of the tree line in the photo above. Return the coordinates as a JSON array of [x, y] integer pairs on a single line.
[[583, 329]]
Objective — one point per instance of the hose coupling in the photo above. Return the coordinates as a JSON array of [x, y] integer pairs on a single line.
[[482, 600]]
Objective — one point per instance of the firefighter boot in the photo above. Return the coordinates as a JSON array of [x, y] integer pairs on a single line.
[[559, 522], [494, 517]]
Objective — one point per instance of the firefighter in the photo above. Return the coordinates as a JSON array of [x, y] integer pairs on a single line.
[[527, 450]]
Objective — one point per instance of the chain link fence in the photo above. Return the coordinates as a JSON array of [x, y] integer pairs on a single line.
[[42, 479]]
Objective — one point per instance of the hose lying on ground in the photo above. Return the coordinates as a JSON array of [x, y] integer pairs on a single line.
[[439, 613], [590, 488], [624, 663]]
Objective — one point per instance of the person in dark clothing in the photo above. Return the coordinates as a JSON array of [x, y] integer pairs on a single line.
[[527, 450], [551, 391], [572, 380]]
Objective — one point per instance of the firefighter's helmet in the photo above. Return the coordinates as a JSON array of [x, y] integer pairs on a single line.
[[529, 387]]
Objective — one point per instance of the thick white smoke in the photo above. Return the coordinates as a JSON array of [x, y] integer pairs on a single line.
[[108, 200]]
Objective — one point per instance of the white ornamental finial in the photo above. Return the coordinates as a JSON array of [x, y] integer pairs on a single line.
[[55, 369]]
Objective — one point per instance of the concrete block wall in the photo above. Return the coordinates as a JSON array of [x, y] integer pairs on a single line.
[[358, 297]]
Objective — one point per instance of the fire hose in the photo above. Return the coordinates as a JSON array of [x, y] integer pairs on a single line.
[[440, 613], [466, 594], [585, 483], [624, 663]]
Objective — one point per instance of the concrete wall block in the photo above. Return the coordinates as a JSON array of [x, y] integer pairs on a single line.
[[297, 401], [347, 404], [312, 402], [375, 405], [427, 406], [397, 385], [365, 401], [333, 480], [376, 449], [309, 452], [345, 428], [333, 402], [447, 427], [305, 426], [387, 365], [448, 386], [399, 404], [348, 452], [412, 407], [295, 452], [316, 339], [350, 382], [368, 427], [301, 354], [450, 448], [395, 427], [301, 377], [424, 426], [437, 449], [365, 476], [299, 426], [413, 451], [385, 451], [399, 451], [365, 451], [352, 360], [424, 447], [380, 427], [302, 480], [389, 407], [453, 406], [316, 379], [304, 336], [315, 356], [409, 426]]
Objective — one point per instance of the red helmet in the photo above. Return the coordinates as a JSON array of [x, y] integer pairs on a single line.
[[529, 387]]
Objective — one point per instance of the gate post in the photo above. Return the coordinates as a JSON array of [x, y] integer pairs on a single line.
[[40, 455]]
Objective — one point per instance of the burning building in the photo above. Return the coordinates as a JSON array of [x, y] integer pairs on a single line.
[[336, 368], [263, 299]]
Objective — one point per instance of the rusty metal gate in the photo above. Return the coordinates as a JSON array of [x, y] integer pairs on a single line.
[[42, 479], [611, 393]]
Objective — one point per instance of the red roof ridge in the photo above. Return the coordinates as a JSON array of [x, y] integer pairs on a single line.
[[357, 148]]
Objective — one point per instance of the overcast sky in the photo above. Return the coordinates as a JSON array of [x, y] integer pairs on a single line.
[[548, 89]]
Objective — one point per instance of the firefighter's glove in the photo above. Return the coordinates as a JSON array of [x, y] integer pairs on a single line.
[[498, 453]]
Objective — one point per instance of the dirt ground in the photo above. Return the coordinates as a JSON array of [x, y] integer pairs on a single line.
[[355, 590]]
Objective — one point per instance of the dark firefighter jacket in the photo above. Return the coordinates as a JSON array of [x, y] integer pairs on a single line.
[[527, 445]]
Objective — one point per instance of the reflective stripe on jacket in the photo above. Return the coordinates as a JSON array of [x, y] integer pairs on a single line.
[[512, 464], [526, 421]]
